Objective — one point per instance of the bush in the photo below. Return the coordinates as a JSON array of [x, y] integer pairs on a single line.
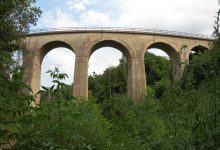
[[62, 122], [138, 124], [74, 126]]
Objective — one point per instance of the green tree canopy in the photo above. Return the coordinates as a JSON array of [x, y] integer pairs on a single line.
[[16, 17]]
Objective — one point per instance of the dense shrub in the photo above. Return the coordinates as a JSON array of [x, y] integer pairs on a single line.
[[64, 125], [138, 122]]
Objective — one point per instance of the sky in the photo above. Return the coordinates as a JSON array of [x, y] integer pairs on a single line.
[[193, 16]]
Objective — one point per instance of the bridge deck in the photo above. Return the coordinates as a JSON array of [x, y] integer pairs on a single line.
[[119, 30]]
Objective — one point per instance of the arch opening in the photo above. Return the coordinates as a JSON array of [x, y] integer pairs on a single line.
[[161, 66], [113, 44], [108, 70], [53, 45], [60, 55], [63, 59], [166, 48], [157, 66], [195, 51]]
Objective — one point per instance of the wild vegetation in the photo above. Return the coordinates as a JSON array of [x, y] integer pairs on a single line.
[[183, 115]]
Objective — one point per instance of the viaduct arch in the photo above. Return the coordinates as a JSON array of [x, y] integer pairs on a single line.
[[132, 43]]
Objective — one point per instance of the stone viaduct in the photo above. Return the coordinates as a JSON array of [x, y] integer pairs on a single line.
[[132, 42]]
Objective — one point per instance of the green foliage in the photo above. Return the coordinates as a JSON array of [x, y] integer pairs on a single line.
[[139, 124], [200, 70], [112, 81], [16, 16], [161, 87], [157, 68], [191, 115], [64, 123], [190, 108], [58, 89]]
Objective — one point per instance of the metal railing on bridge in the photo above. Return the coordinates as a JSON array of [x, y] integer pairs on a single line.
[[120, 29]]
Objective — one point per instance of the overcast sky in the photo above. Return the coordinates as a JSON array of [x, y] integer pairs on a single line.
[[194, 16]]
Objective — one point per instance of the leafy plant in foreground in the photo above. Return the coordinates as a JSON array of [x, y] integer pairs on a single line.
[[63, 123]]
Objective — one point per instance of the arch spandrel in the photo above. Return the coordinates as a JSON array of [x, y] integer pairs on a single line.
[[39, 41]]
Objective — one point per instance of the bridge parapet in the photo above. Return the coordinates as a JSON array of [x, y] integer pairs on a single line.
[[120, 30]]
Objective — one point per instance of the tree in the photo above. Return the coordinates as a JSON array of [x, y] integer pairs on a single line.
[[16, 17], [112, 81], [157, 68]]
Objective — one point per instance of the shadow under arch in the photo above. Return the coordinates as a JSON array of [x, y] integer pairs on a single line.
[[174, 58], [52, 45], [196, 50]]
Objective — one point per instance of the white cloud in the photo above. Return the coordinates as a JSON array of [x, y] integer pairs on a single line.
[[95, 18], [186, 15], [102, 58], [57, 18], [157, 52], [78, 5]]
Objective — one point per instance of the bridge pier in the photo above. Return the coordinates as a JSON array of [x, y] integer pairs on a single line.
[[80, 84], [136, 79], [177, 71], [32, 75]]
